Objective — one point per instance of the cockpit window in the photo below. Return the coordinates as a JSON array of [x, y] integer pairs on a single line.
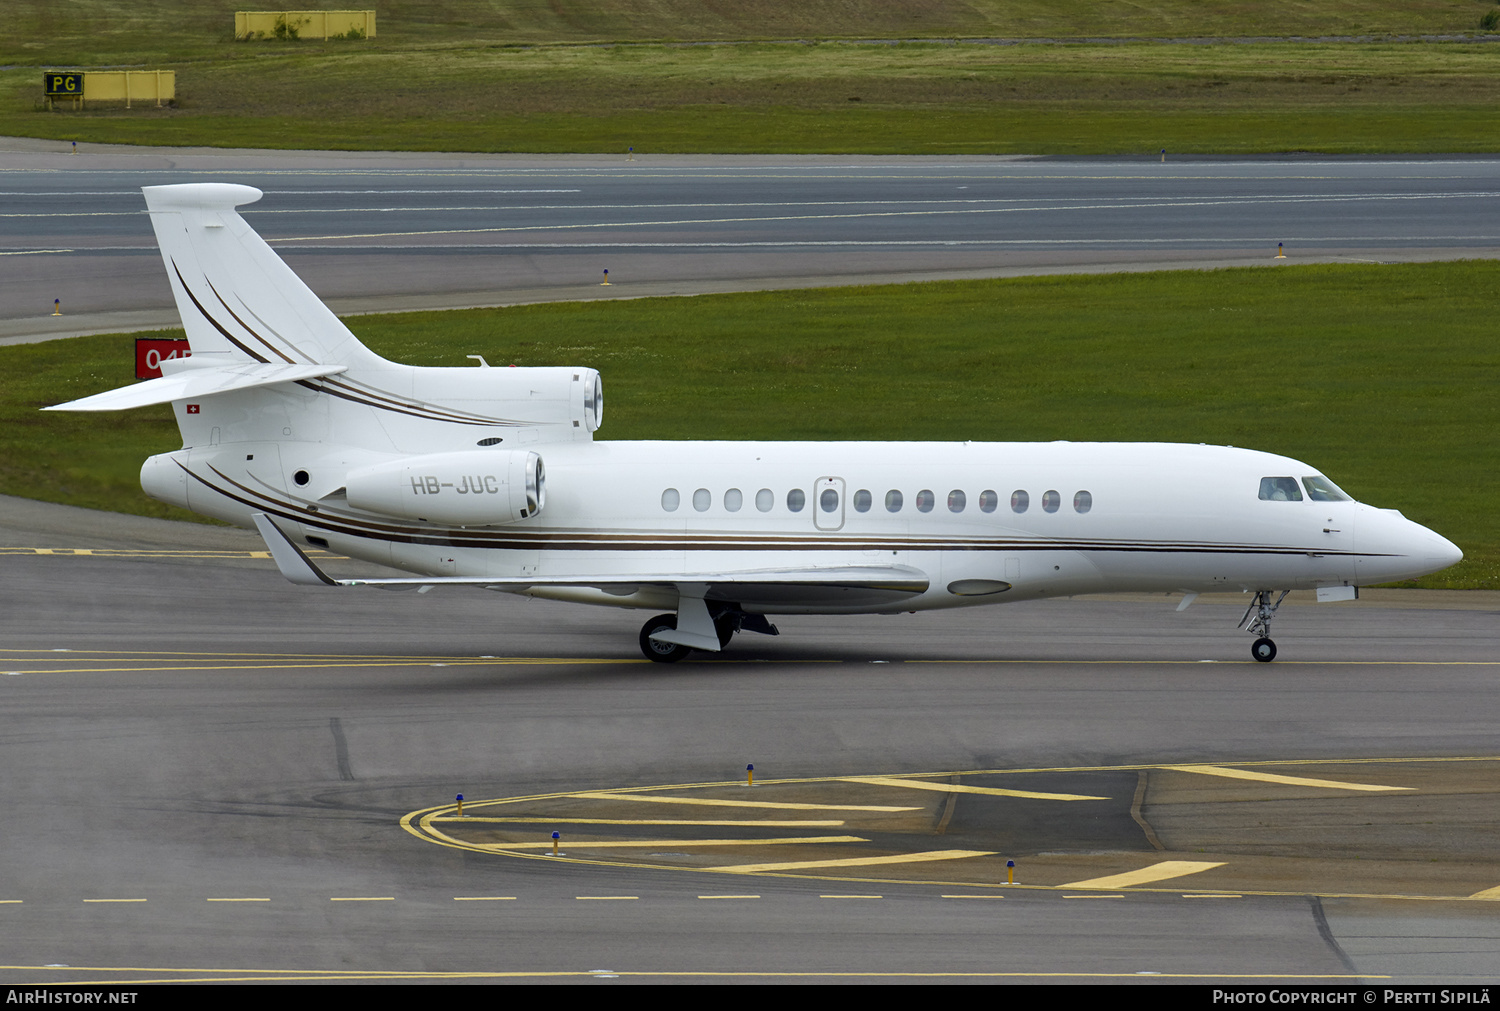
[[1280, 489], [1320, 489]]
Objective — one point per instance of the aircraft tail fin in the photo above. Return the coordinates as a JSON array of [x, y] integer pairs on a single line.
[[238, 301]]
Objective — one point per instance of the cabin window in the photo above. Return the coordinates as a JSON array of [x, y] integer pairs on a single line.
[[670, 500], [1082, 502], [988, 500], [893, 501], [1050, 501], [925, 500], [733, 499], [862, 500], [956, 501], [1280, 489], [1019, 501], [764, 500], [1320, 489], [828, 500], [702, 499], [796, 499]]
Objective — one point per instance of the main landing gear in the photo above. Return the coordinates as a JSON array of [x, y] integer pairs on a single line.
[[1257, 621], [726, 623]]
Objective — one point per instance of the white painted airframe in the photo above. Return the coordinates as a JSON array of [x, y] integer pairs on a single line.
[[489, 477]]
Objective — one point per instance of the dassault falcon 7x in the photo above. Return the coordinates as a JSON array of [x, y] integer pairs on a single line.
[[489, 477]]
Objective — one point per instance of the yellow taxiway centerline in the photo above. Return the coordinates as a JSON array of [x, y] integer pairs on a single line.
[[1163, 871], [723, 823], [899, 858], [989, 791], [1489, 894], [1271, 777], [710, 802], [631, 844]]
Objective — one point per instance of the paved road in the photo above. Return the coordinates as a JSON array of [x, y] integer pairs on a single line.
[[377, 232], [179, 732]]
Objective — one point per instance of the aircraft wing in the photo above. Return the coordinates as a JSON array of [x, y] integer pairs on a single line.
[[845, 585], [193, 383]]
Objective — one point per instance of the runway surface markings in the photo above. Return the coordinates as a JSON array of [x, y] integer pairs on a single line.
[[606, 898], [1489, 894], [362, 898], [114, 900], [871, 861], [971, 896], [1270, 777], [1164, 871], [484, 898], [990, 791], [239, 900], [729, 896], [1206, 895], [726, 823], [710, 802], [638, 844]]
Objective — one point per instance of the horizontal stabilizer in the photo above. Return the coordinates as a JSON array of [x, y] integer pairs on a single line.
[[192, 384]]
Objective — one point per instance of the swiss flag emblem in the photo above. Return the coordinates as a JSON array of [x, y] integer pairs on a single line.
[[192, 408]]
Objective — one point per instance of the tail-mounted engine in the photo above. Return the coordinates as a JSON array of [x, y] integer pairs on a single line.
[[471, 488]]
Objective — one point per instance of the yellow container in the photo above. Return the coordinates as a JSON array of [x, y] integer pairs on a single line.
[[307, 24]]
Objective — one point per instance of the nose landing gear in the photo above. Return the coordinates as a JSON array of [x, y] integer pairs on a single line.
[[1257, 621]]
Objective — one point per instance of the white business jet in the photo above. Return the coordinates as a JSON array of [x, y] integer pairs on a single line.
[[490, 477]]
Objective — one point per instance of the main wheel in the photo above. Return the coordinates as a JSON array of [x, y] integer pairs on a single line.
[[1263, 649], [724, 627], [661, 652]]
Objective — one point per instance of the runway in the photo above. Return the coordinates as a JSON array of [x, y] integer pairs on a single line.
[[212, 774], [387, 232]]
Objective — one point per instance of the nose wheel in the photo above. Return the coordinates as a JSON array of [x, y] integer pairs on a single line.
[[1257, 621]]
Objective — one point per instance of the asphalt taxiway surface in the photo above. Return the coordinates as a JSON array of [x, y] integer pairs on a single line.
[[212, 774], [375, 232]]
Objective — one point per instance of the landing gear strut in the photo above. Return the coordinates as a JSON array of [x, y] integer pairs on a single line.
[[1257, 621]]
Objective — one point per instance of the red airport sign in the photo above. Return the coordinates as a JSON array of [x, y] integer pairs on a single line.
[[150, 352]]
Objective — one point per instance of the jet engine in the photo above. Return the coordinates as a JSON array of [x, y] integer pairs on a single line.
[[469, 489]]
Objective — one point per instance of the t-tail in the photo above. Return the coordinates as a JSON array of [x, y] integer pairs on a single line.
[[283, 411]]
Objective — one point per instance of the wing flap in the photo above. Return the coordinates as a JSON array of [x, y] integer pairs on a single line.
[[191, 384], [844, 585]]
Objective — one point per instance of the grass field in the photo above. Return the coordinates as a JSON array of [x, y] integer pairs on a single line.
[[497, 76], [1384, 377]]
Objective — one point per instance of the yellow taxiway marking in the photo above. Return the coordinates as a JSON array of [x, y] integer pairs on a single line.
[[11, 902], [1271, 777], [989, 791], [362, 898], [114, 900], [606, 898], [898, 858], [484, 898], [1093, 896], [851, 896], [729, 896], [239, 900], [725, 823], [972, 896], [631, 844], [708, 802], [1146, 875], [1205, 895], [1489, 894]]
